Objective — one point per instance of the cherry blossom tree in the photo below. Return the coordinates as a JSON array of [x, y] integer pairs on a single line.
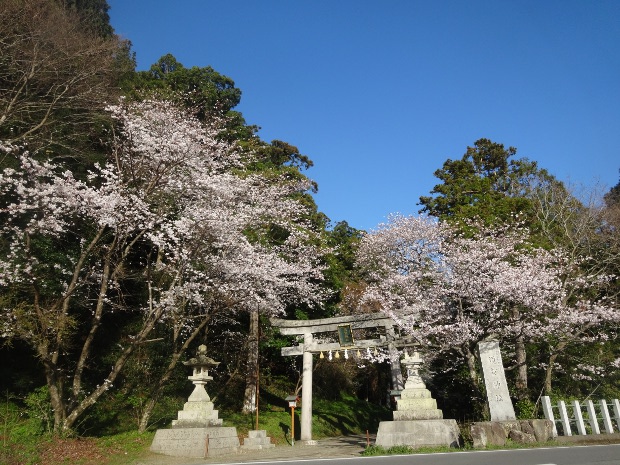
[[575, 219], [163, 233], [452, 290]]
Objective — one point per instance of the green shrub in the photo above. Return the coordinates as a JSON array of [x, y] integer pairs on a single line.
[[526, 409], [374, 450]]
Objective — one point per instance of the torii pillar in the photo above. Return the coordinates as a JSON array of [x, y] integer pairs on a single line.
[[306, 393]]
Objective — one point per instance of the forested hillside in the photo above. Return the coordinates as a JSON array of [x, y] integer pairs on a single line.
[[142, 216]]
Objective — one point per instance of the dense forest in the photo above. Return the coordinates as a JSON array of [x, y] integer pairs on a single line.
[[142, 216]]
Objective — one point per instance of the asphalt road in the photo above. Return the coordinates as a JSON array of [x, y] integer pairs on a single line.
[[574, 455], [347, 451]]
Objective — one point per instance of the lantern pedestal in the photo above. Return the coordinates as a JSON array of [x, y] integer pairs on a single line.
[[198, 411]]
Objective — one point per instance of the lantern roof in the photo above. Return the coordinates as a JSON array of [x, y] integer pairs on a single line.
[[201, 359]]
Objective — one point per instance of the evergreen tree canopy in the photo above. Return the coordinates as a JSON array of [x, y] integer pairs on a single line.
[[485, 183], [201, 90], [93, 14]]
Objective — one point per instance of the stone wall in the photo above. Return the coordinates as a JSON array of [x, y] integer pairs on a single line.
[[496, 433]]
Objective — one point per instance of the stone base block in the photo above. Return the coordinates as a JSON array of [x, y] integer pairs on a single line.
[[197, 423], [416, 403], [196, 442], [257, 439], [407, 415], [416, 393], [418, 433], [197, 414]]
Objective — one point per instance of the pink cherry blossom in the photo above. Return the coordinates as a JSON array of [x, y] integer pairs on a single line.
[[169, 214], [451, 291]]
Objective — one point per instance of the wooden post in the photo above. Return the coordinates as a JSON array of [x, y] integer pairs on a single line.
[[292, 426], [257, 393], [398, 383]]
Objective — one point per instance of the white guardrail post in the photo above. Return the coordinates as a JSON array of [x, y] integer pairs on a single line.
[[548, 411], [564, 419], [609, 428], [592, 417], [616, 404], [581, 427]]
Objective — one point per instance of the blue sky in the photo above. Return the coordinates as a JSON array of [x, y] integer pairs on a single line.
[[380, 93]]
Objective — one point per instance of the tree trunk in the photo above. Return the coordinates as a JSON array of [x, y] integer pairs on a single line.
[[521, 378], [549, 373], [520, 358], [54, 386], [251, 375], [471, 366], [549, 370], [155, 395], [74, 414]]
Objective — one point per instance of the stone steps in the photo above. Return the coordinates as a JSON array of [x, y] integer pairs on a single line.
[[257, 439]]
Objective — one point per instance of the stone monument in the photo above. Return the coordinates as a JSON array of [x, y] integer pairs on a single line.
[[197, 431], [417, 420], [500, 405]]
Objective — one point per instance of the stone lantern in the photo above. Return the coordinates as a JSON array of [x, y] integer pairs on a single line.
[[416, 402], [198, 411]]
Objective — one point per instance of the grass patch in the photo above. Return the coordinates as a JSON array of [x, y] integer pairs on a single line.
[[345, 416], [342, 417], [405, 450], [372, 451], [20, 435], [126, 447]]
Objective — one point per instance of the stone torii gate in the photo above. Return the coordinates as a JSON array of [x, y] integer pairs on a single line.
[[307, 328]]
